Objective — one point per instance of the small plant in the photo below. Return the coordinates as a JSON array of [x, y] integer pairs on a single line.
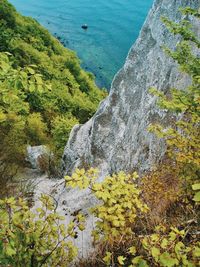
[[182, 138], [196, 188], [43, 91], [168, 249]]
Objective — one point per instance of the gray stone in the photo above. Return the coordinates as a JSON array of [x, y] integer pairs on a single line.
[[34, 153]]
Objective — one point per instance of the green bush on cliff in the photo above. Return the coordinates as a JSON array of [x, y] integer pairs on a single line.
[[19, 125], [41, 86]]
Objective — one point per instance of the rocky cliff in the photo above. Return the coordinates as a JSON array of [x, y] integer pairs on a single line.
[[116, 138]]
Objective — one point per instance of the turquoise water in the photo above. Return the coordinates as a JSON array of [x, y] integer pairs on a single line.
[[113, 26]]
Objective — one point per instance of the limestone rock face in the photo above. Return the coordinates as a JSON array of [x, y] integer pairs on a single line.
[[116, 138]]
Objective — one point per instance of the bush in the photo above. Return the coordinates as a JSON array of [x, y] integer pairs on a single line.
[[27, 239], [119, 199]]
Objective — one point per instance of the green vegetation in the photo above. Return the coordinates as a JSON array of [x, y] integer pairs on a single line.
[[142, 221], [43, 90], [120, 202], [30, 240]]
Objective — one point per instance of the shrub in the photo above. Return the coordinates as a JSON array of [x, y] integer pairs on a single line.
[[119, 202], [27, 239]]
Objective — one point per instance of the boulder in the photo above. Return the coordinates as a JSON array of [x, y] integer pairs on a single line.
[[38, 156]]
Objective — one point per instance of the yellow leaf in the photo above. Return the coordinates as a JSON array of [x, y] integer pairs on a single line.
[[121, 260]]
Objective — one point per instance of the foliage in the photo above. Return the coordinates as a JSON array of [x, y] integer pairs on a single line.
[[18, 125], [163, 248], [182, 138], [119, 199], [61, 128], [27, 239], [41, 86], [36, 129], [118, 211], [177, 247], [196, 187], [169, 249], [58, 66], [123, 228]]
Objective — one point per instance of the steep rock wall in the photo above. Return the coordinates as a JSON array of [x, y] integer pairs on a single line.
[[116, 138]]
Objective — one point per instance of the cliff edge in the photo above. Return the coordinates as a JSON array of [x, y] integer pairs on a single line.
[[116, 138]]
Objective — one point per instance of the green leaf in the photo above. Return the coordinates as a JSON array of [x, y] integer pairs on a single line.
[[155, 253], [38, 79], [196, 251], [139, 262], [116, 223], [31, 87], [196, 186], [2, 117], [30, 70], [164, 243], [132, 250], [167, 261], [121, 260], [196, 197], [107, 258], [10, 251]]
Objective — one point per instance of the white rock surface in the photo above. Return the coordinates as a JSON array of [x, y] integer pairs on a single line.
[[69, 201]]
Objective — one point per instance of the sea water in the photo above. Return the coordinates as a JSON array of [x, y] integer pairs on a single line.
[[113, 26]]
